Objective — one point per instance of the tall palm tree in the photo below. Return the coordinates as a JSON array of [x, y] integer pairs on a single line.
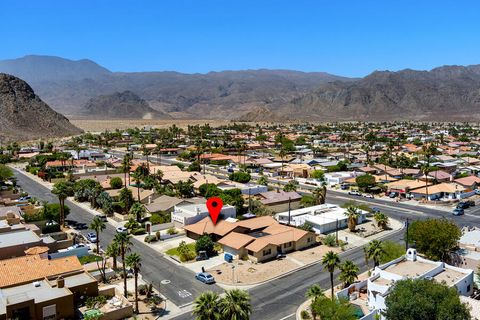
[[62, 190], [137, 177], [97, 225], [137, 210], [381, 219], [126, 167], [348, 273], [375, 251], [113, 251], [331, 261], [206, 306], [314, 292], [352, 213], [123, 242], [235, 305], [133, 261], [146, 152]]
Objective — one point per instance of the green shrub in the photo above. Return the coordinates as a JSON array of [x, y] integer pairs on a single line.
[[159, 218], [305, 315], [116, 183], [172, 231], [330, 240], [240, 176], [138, 231], [150, 238]]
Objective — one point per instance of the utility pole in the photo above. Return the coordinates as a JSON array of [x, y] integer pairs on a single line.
[[289, 199], [406, 240], [336, 231]]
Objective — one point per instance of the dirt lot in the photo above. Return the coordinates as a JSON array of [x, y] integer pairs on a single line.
[[247, 272], [102, 125], [312, 254]]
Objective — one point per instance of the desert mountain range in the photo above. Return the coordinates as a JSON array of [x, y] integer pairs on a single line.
[[85, 89]]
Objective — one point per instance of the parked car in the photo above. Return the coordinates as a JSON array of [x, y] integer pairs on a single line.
[[81, 226], [368, 195], [393, 195], [458, 212], [471, 203], [92, 237], [122, 230], [102, 217], [375, 209], [354, 193], [205, 277], [77, 245], [344, 186], [463, 205], [202, 255]]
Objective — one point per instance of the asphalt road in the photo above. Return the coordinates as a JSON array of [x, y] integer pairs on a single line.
[[182, 287], [279, 299]]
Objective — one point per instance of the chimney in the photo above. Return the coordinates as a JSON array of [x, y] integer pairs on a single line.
[[60, 282], [411, 254], [149, 199]]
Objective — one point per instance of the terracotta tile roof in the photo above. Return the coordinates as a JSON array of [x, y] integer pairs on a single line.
[[36, 250], [236, 240], [223, 227], [468, 181], [26, 269], [278, 239]]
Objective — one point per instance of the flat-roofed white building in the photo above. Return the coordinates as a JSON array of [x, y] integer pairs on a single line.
[[185, 214], [324, 218], [408, 266], [412, 266]]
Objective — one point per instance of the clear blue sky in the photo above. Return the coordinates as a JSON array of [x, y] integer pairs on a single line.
[[350, 38]]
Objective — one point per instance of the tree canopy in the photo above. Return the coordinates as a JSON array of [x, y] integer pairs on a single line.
[[426, 300], [435, 238]]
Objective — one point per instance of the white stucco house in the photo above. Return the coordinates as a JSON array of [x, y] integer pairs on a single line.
[[409, 266]]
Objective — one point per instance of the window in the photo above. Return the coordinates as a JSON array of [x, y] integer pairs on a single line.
[[267, 252], [287, 245], [468, 288], [309, 239]]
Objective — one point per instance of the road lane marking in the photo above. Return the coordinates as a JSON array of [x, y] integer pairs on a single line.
[[289, 316], [184, 294]]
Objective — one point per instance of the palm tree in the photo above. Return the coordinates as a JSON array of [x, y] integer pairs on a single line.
[[133, 261], [113, 251], [137, 177], [62, 190], [97, 225], [206, 306], [235, 305], [331, 261], [352, 213], [123, 242], [375, 251], [146, 153], [126, 167], [137, 210], [319, 194], [348, 273], [314, 292], [382, 220]]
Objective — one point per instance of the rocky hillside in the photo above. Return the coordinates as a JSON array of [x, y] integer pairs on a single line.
[[226, 94], [445, 93], [121, 105], [25, 116]]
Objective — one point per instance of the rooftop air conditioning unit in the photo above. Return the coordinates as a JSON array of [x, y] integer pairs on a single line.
[[36, 284]]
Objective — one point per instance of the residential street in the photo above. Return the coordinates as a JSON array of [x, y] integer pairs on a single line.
[[277, 299], [183, 287]]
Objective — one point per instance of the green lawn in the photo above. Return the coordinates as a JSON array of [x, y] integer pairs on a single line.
[[174, 251], [89, 258]]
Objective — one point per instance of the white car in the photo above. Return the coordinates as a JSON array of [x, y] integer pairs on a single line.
[[122, 230], [368, 195], [75, 246]]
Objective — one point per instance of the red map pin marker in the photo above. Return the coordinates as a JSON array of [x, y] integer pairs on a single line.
[[214, 206]]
